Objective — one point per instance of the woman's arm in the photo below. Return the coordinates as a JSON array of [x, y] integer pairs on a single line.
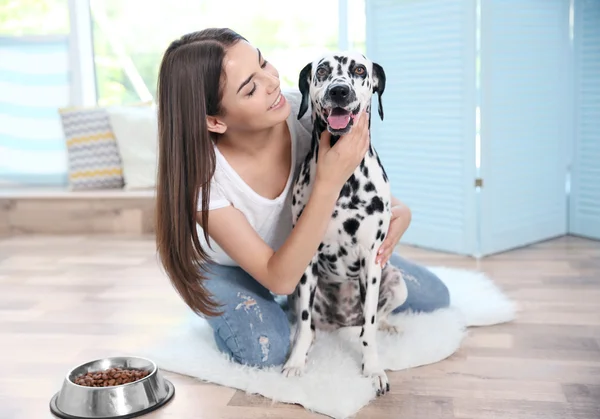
[[400, 220], [277, 271], [402, 212]]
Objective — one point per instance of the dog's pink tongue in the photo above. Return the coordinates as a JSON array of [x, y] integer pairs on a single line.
[[338, 121]]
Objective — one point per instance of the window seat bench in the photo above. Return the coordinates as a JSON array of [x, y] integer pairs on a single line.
[[62, 211]]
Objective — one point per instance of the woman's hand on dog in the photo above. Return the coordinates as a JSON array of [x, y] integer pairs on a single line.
[[337, 163], [399, 222]]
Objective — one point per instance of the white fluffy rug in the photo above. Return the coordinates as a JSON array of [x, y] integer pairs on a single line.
[[332, 384]]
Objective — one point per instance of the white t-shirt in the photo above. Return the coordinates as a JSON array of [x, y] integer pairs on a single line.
[[271, 218]]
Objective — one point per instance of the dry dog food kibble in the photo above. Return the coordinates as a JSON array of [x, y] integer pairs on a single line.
[[110, 377]]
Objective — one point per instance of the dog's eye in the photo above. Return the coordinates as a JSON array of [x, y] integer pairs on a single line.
[[322, 71], [360, 70]]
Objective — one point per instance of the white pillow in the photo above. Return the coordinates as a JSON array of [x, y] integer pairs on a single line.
[[136, 131]]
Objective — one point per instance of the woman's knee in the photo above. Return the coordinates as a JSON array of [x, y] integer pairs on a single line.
[[252, 330], [254, 345], [426, 291]]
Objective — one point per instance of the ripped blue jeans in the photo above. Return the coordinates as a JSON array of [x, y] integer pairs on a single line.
[[254, 328]]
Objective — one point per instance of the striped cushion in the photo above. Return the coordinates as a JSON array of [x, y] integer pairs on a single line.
[[93, 155]]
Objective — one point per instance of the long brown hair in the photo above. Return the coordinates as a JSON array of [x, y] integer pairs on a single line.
[[189, 88]]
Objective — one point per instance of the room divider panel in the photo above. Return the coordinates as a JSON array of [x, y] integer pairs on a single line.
[[526, 120], [538, 93], [427, 138], [584, 214]]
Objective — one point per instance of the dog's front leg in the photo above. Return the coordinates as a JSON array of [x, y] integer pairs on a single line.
[[368, 335], [304, 331]]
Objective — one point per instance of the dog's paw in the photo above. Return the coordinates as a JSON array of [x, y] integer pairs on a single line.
[[293, 369], [389, 328], [379, 379]]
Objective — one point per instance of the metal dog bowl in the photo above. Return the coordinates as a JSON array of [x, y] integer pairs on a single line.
[[123, 401]]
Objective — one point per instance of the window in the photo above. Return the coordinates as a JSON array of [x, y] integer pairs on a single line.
[[131, 36], [32, 147], [33, 17]]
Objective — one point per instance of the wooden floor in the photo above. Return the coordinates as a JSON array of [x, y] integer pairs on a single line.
[[66, 300]]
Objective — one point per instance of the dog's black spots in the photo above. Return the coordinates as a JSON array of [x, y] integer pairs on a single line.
[[312, 296], [382, 236], [378, 235], [335, 214], [303, 279], [345, 190], [376, 205], [312, 326], [363, 367], [304, 314], [370, 151], [294, 200], [315, 269], [354, 241], [369, 187], [380, 222], [360, 217], [351, 226], [374, 280], [382, 303], [300, 212], [365, 343], [321, 245], [372, 246], [343, 251], [306, 178], [365, 171], [339, 231], [372, 319], [355, 200], [354, 183], [363, 262], [332, 258], [332, 296], [382, 169], [362, 292], [341, 59], [298, 291], [387, 387], [362, 332], [318, 308], [355, 267]]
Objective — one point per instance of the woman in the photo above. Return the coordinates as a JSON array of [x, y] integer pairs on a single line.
[[229, 148]]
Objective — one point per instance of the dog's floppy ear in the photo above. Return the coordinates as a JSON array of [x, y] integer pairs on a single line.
[[379, 85], [304, 86]]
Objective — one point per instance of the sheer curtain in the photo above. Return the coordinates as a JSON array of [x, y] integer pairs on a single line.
[[34, 83]]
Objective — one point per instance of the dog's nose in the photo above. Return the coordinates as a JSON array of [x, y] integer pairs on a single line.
[[339, 92]]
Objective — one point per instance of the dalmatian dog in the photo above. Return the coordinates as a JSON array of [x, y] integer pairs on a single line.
[[343, 286]]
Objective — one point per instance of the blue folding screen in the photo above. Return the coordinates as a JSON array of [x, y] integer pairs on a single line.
[[427, 139], [526, 120], [34, 83], [584, 206], [539, 98]]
